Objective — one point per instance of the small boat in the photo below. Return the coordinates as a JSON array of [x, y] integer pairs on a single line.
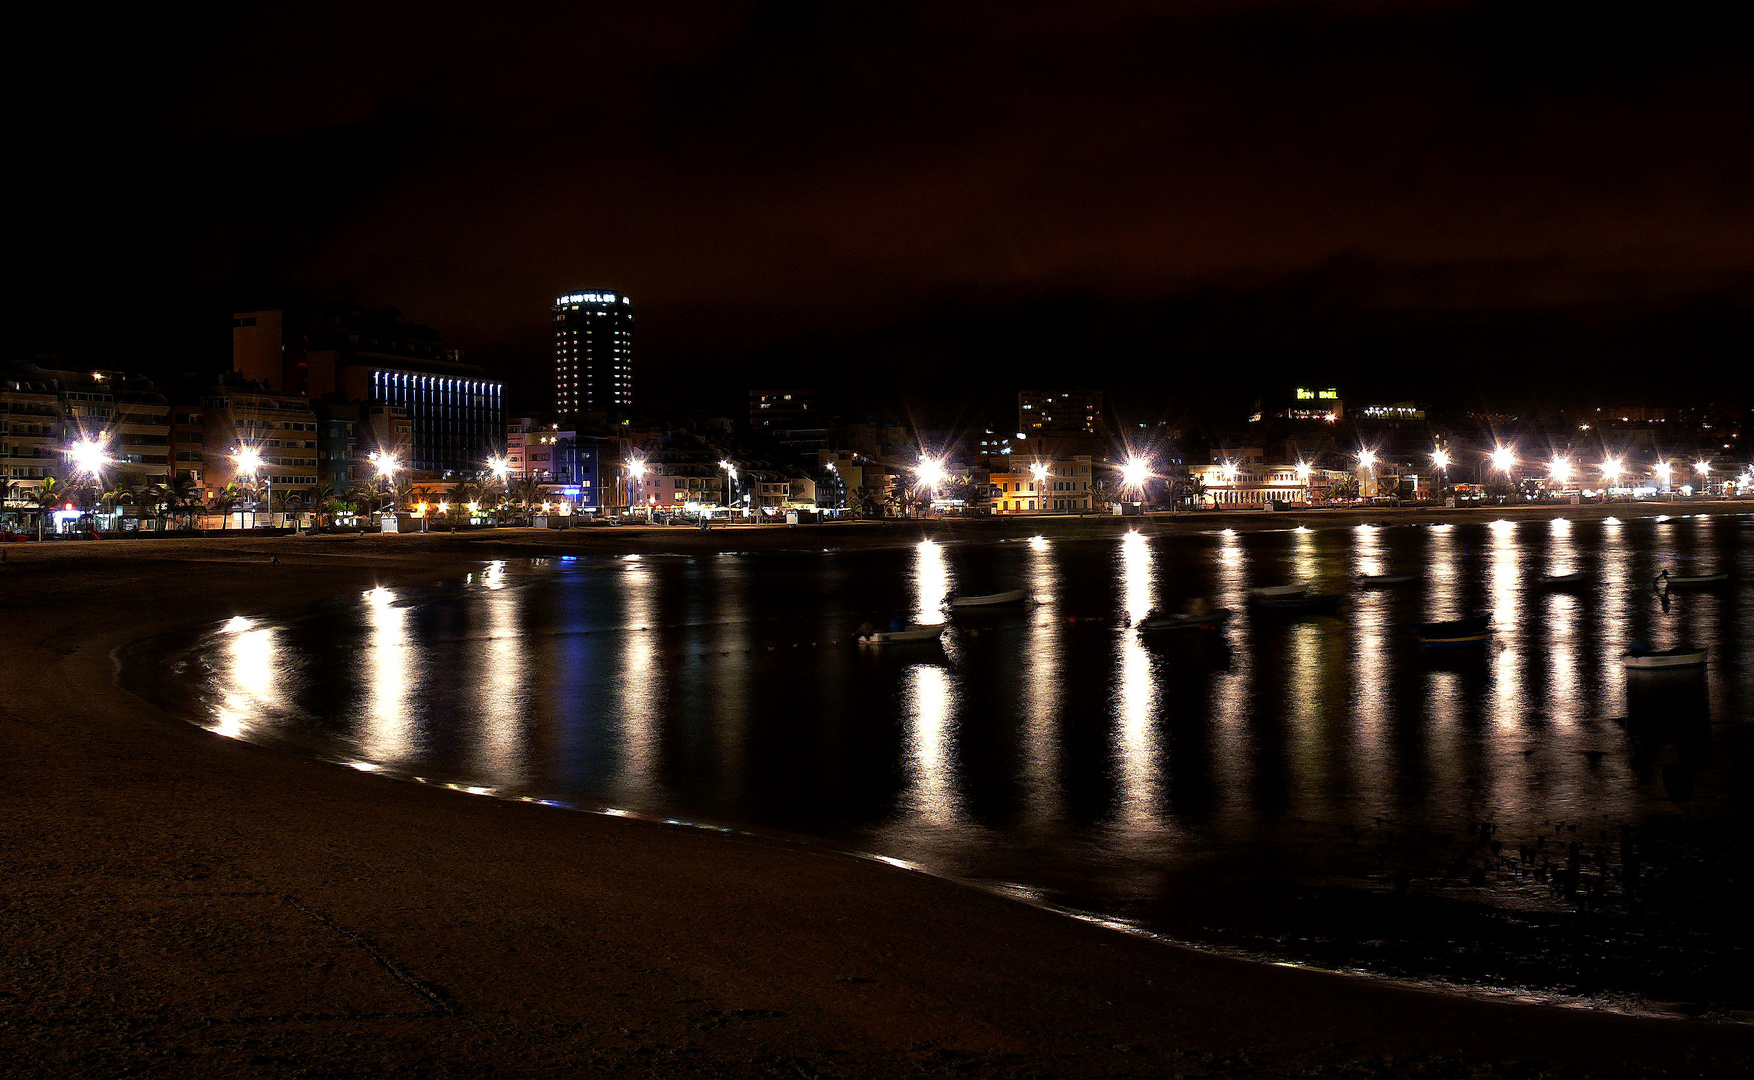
[[1690, 581], [1272, 592], [998, 599], [1298, 602], [1210, 620], [1644, 658], [1456, 633], [1559, 581], [927, 632], [1384, 581]]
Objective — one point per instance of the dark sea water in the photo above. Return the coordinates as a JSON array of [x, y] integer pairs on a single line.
[[1314, 788]]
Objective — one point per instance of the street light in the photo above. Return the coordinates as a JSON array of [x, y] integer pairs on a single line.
[[730, 485], [1367, 459], [89, 456], [387, 466], [249, 463], [1303, 474], [499, 467], [1559, 469], [1611, 469], [1703, 468], [1663, 470], [1504, 460], [636, 470], [1440, 459]]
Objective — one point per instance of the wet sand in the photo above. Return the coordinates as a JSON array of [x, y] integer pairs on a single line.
[[175, 903]]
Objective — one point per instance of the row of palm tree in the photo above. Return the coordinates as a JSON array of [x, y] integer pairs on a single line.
[[180, 499]]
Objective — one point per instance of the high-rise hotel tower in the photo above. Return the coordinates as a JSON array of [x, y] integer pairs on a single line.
[[593, 353]]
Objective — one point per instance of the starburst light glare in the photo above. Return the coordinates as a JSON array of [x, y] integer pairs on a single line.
[[1503, 458], [1559, 469], [1663, 469], [249, 460], [930, 471], [89, 455], [499, 466], [1611, 469], [1367, 459], [1703, 468], [636, 469], [474, 506], [386, 464], [1440, 459], [1134, 472], [1039, 471], [1303, 471], [1228, 469]]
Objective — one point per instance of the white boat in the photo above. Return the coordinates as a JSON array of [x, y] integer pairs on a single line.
[[1383, 581], [998, 599], [1690, 581], [1278, 592], [1685, 656], [928, 632], [1209, 620], [1576, 577]]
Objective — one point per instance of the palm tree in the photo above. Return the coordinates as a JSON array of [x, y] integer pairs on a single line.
[[227, 499], [320, 498], [527, 491]]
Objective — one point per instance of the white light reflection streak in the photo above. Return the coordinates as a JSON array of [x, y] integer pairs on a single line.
[[1043, 659], [252, 679], [1231, 694], [642, 688], [931, 582], [501, 687], [1504, 586], [1139, 793], [388, 676], [931, 797], [1616, 600]]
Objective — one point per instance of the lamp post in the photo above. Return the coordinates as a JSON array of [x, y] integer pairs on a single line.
[[1038, 472], [1611, 470], [730, 486], [1134, 472], [930, 472], [1303, 474], [249, 463], [1440, 460], [636, 470], [1367, 464], [88, 456], [1664, 472], [1504, 460], [387, 466], [1703, 468], [501, 470], [1560, 470]]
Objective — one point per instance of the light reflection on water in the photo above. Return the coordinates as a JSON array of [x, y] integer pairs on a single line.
[[1051, 746]]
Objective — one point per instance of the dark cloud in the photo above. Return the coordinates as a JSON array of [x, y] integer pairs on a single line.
[[790, 186]]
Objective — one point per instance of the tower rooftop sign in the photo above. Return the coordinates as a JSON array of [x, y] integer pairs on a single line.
[[591, 298]]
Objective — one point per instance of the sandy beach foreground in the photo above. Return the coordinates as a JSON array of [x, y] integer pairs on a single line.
[[175, 903]]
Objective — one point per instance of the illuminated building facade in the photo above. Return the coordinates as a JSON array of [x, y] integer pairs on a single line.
[[593, 353], [1060, 412], [455, 414]]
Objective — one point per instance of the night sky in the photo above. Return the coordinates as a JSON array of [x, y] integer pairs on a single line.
[[1187, 204]]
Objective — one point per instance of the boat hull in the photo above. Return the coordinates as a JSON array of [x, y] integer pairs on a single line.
[[1700, 581], [912, 635], [1665, 661], [1458, 634], [1004, 599], [1384, 581], [1210, 621]]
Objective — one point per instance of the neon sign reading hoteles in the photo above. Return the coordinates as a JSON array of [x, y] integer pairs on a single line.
[[591, 298]]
